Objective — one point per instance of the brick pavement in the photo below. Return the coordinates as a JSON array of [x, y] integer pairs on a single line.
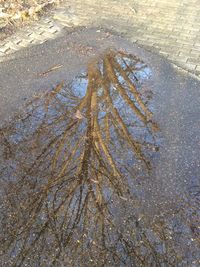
[[170, 27]]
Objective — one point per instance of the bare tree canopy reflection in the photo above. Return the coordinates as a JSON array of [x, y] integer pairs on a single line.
[[67, 167]]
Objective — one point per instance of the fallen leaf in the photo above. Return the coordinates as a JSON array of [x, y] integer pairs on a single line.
[[95, 181], [78, 115], [123, 198]]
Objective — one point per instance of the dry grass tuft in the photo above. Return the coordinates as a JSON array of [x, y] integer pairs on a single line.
[[17, 11]]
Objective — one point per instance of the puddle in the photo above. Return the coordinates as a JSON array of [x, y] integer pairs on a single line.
[[70, 166]]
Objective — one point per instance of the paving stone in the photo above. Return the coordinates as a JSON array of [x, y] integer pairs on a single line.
[[194, 60], [4, 48], [189, 66], [198, 68], [195, 52], [171, 27]]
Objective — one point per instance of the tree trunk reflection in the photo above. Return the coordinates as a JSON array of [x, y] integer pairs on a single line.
[[67, 166]]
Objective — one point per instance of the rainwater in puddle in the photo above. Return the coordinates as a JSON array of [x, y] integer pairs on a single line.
[[71, 163]]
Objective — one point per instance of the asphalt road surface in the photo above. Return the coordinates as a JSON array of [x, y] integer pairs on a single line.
[[176, 101]]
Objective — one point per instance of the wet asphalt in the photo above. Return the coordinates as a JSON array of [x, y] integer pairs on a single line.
[[176, 100]]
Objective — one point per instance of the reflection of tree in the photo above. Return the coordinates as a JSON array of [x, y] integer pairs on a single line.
[[69, 162]]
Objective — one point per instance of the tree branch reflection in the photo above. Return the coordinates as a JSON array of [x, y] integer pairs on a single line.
[[67, 168]]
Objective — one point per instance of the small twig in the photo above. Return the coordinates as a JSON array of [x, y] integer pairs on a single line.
[[51, 69]]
